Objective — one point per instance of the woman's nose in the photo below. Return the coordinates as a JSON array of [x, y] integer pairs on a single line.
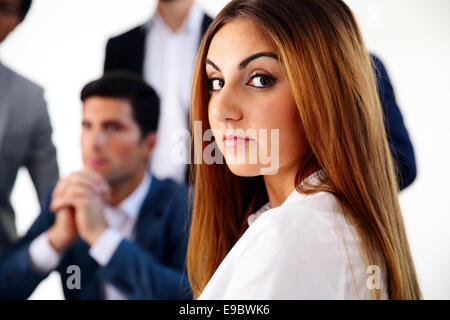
[[225, 107]]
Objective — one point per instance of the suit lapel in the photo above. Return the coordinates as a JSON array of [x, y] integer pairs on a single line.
[[137, 49], [148, 209], [5, 83]]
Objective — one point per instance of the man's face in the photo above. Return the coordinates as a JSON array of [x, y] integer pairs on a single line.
[[9, 17], [111, 141]]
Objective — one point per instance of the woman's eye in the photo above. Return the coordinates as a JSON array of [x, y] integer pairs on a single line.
[[261, 81], [216, 84]]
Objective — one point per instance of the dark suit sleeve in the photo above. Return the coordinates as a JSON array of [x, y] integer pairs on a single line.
[[126, 52], [111, 57], [41, 158], [397, 135], [138, 274], [17, 277]]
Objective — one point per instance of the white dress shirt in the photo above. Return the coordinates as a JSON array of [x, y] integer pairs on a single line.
[[303, 249], [168, 67], [121, 222]]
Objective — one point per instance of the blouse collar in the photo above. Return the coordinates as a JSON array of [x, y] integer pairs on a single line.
[[313, 179]]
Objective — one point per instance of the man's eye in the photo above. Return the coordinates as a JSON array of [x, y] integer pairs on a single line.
[[216, 84], [112, 127], [261, 81]]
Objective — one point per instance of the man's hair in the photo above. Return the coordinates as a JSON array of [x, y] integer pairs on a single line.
[[132, 88], [24, 7]]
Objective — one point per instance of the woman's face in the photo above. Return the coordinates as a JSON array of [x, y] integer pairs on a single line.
[[251, 108]]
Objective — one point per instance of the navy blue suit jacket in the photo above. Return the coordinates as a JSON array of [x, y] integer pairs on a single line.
[[397, 135], [151, 267]]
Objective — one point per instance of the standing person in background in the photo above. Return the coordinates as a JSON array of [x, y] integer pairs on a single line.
[[163, 51], [25, 130]]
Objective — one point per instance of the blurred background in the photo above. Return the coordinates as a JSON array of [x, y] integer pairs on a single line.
[[61, 46]]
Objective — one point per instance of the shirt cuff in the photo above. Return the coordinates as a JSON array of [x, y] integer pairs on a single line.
[[105, 246], [43, 257]]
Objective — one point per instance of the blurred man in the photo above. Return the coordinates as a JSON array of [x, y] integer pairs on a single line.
[[163, 51], [111, 230], [25, 130]]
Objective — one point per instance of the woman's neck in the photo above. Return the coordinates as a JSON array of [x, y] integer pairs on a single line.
[[280, 185], [174, 12]]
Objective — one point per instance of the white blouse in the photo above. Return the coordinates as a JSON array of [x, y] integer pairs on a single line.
[[303, 249]]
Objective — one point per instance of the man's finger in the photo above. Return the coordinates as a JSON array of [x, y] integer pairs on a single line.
[[101, 186]]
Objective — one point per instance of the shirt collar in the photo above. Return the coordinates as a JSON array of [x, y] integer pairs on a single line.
[[313, 179], [191, 24], [131, 205]]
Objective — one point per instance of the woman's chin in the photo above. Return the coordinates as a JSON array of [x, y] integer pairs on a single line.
[[245, 170]]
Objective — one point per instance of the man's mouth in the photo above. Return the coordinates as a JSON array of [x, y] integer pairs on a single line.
[[96, 163]]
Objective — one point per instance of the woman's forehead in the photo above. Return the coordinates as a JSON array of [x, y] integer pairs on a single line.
[[240, 36]]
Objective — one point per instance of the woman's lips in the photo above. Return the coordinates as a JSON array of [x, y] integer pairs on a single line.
[[233, 141]]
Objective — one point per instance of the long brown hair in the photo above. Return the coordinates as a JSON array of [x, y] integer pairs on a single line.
[[331, 77]]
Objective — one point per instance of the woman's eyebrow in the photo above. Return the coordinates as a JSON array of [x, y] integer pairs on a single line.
[[246, 61], [207, 61]]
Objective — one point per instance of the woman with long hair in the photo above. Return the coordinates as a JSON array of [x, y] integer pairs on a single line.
[[319, 217]]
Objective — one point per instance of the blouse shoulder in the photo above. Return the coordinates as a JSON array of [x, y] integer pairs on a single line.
[[301, 250], [316, 211]]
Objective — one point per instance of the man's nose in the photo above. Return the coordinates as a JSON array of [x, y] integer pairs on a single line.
[[99, 139]]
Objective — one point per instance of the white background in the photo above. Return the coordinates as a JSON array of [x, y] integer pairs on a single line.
[[61, 46]]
